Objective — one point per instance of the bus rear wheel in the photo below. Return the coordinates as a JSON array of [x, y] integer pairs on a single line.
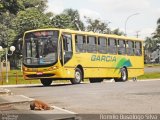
[[95, 80], [124, 76], [78, 77], [46, 82]]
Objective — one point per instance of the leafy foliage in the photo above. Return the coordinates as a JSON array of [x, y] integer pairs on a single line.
[[151, 43], [12, 6], [157, 32], [6, 36], [69, 18], [30, 19], [117, 32], [97, 26], [18, 16]]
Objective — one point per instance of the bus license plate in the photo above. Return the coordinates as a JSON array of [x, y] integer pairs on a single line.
[[39, 73]]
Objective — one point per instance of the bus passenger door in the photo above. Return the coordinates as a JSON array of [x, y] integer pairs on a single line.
[[67, 47], [60, 51]]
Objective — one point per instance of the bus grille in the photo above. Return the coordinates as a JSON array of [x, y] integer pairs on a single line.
[[43, 75]]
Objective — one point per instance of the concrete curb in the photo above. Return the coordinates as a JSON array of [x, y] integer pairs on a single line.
[[5, 91], [14, 99], [20, 85]]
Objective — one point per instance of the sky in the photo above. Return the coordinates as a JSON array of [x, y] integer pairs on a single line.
[[116, 12]]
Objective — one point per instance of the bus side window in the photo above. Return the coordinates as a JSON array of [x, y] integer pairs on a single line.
[[138, 49], [102, 45], [130, 48], [121, 47], [91, 44], [112, 46], [80, 41]]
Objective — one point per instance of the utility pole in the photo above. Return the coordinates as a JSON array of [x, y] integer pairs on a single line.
[[137, 34]]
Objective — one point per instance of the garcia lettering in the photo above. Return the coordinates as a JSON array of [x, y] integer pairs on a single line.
[[103, 58]]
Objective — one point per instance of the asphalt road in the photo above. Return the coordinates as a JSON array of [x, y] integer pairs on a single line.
[[106, 97]]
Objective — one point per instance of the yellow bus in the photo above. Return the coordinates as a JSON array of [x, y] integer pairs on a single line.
[[58, 54]]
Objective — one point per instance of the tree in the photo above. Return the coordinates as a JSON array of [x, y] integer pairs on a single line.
[[11, 6], [22, 15], [69, 18], [14, 6], [151, 42], [6, 36], [157, 31], [40, 5], [17, 16], [117, 32], [97, 26], [30, 19], [74, 15], [61, 21]]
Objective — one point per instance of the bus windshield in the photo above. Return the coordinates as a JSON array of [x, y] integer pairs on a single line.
[[40, 48]]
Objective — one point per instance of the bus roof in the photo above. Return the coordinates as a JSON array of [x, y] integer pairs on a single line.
[[89, 33]]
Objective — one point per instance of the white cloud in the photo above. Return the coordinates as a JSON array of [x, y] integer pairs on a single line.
[[115, 11], [121, 6], [55, 6], [89, 13], [147, 31]]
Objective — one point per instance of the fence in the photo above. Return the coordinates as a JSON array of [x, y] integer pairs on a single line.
[[15, 77]]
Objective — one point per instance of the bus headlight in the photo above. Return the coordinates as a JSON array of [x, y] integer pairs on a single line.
[[53, 68]]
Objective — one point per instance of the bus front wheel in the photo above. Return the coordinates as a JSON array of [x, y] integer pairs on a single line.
[[124, 75], [78, 77], [46, 82]]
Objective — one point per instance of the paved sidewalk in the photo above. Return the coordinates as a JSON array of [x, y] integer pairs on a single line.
[[12, 99], [16, 107]]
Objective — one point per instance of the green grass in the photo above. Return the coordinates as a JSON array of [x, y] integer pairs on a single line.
[[155, 75], [152, 65], [15, 77]]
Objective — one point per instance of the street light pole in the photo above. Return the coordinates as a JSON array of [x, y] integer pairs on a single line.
[[127, 21], [12, 49], [1, 49], [6, 65]]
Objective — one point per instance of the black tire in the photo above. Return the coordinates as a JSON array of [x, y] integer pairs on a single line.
[[78, 76], [124, 75], [95, 80], [46, 82]]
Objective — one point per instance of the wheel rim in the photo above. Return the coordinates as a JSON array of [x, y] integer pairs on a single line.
[[124, 75], [77, 76]]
